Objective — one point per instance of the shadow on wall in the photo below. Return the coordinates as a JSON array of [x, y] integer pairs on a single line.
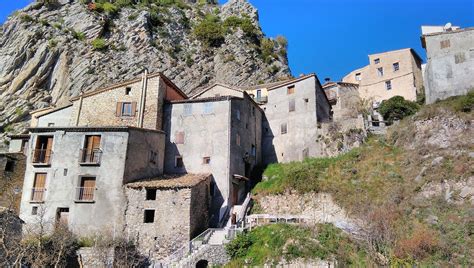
[[269, 155]]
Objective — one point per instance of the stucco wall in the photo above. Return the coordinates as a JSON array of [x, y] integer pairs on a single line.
[[141, 145], [63, 178], [219, 90], [302, 123], [405, 81], [346, 100], [60, 118], [445, 75]]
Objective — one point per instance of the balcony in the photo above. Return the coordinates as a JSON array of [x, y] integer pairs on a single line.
[[42, 157], [90, 157], [261, 99], [37, 195], [85, 194]]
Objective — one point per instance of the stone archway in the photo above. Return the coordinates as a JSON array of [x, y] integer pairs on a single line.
[[202, 264]]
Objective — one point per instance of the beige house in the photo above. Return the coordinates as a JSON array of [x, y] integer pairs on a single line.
[[392, 73]]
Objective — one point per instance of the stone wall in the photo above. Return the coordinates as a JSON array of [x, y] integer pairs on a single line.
[[215, 255], [105, 104], [180, 214], [319, 207], [12, 173]]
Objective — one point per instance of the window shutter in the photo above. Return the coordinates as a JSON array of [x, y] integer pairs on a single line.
[[118, 110], [134, 108]]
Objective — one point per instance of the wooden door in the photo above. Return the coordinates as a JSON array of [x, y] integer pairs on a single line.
[[39, 184], [40, 180], [87, 189]]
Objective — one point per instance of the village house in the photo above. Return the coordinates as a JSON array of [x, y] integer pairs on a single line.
[[344, 99], [449, 70], [389, 74], [138, 151]]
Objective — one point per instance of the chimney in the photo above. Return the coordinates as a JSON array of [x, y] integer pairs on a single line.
[[301, 75], [327, 79]]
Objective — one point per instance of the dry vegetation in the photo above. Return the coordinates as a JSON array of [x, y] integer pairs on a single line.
[[390, 180]]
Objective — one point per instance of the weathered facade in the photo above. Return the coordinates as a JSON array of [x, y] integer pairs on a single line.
[[450, 62], [165, 213], [12, 172], [392, 73], [220, 135], [344, 99], [292, 114], [68, 181]]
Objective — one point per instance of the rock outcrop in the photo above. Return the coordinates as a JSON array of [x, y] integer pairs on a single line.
[[49, 53]]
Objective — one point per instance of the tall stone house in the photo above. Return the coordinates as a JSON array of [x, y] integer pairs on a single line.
[[142, 159], [449, 70], [389, 74]]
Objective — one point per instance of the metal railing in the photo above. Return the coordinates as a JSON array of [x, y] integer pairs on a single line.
[[261, 99], [91, 157], [37, 194], [85, 194], [42, 156]]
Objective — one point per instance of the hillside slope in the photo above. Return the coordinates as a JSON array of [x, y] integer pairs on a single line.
[[411, 192], [49, 52]]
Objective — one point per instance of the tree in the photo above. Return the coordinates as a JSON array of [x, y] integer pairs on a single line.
[[397, 108]]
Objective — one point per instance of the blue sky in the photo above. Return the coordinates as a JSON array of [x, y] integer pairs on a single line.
[[334, 37]]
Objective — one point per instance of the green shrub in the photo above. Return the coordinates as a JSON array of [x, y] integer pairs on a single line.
[[78, 35], [99, 44], [244, 23], [210, 31], [52, 43], [397, 108], [110, 8], [26, 18], [462, 103], [267, 50]]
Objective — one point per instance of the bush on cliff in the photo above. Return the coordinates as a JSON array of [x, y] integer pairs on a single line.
[[397, 108]]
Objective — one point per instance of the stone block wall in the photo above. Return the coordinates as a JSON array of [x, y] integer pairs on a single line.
[[12, 173]]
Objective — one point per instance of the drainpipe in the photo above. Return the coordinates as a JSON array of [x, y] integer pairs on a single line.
[[80, 108], [141, 113]]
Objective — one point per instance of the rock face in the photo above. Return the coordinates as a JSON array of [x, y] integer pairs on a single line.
[[50, 53]]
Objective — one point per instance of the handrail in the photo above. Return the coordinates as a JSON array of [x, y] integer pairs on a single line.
[[85, 193], [91, 156], [42, 156], [37, 194]]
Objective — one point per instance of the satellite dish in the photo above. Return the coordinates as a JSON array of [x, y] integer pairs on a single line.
[[448, 26]]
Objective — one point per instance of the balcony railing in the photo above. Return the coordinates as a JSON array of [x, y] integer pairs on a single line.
[[90, 157], [85, 194], [37, 194], [261, 99], [42, 156]]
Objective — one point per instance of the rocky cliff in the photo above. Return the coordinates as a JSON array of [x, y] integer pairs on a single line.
[[52, 50]]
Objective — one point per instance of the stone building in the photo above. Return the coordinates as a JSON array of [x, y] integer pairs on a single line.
[[293, 111], [218, 135], [344, 99], [449, 69], [392, 73], [217, 90], [166, 212], [74, 175], [12, 172]]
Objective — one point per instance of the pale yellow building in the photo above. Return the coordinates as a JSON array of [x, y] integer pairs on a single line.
[[392, 73]]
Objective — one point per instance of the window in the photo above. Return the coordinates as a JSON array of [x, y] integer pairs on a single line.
[[253, 151], [208, 108], [150, 194], [153, 157], [290, 90], [380, 71], [283, 128], [37, 193], [206, 160], [396, 66], [10, 166], [377, 61], [91, 152], [42, 152], [237, 140], [149, 216], [179, 137], [62, 216], [358, 77], [188, 109], [178, 162], [388, 85], [86, 189], [50, 124], [34, 210], [459, 58], [128, 90], [445, 44], [126, 108], [65, 172], [291, 106], [237, 114], [259, 94]]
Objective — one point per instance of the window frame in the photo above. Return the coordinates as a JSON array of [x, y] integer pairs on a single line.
[[380, 71], [152, 216], [178, 159], [187, 109], [206, 160], [388, 85], [290, 90], [377, 61], [283, 128], [291, 105], [150, 194], [396, 66]]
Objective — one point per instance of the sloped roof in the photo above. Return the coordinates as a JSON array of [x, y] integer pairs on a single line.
[[129, 82], [212, 86], [331, 83], [55, 109], [171, 181], [267, 85]]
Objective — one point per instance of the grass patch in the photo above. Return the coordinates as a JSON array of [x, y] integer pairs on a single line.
[[99, 44], [273, 243]]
